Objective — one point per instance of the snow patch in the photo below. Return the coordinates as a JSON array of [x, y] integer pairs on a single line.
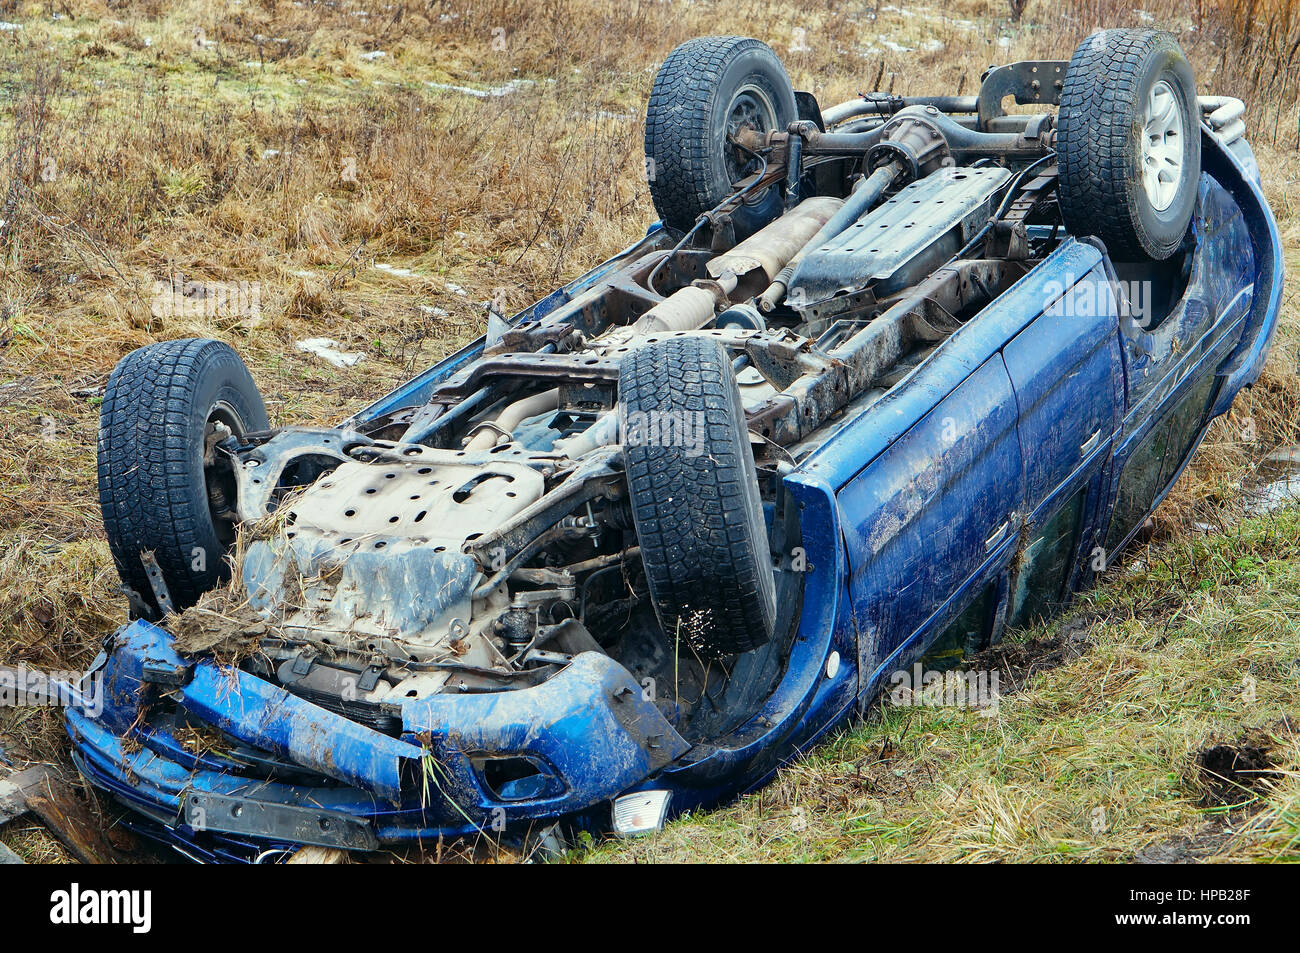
[[504, 89], [327, 348]]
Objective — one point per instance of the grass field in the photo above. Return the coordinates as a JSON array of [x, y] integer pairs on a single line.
[[372, 173]]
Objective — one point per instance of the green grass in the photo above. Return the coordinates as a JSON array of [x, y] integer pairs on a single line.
[[1094, 760]]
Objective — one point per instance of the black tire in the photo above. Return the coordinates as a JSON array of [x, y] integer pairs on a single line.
[[689, 162], [1100, 143], [696, 504], [153, 487]]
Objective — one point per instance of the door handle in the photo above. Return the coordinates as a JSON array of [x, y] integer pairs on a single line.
[[996, 538], [1090, 444]]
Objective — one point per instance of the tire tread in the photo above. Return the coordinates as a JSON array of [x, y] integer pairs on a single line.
[[693, 521], [677, 126], [1097, 190], [145, 465]]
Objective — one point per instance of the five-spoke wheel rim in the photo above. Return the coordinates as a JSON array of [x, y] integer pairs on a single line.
[[1162, 146]]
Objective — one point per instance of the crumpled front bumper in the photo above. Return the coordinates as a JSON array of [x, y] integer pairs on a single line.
[[286, 771]]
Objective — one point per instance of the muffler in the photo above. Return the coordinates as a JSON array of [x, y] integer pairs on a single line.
[[742, 272]]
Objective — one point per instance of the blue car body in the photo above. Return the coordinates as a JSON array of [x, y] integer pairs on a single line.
[[1004, 472]]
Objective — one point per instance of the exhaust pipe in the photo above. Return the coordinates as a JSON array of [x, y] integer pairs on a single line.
[[755, 261], [489, 433], [865, 194]]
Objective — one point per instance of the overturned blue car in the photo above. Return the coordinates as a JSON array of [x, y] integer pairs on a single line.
[[899, 373]]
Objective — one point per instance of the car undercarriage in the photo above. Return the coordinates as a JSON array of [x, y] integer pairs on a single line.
[[481, 540]]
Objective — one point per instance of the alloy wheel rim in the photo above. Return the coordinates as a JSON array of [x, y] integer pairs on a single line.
[[1162, 146]]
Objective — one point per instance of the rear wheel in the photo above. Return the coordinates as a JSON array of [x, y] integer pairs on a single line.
[[695, 498], [707, 90], [162, 488], [1129, 144]]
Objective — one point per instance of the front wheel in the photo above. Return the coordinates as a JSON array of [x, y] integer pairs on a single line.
[[164, 494], [695, 499], [1129, 143]]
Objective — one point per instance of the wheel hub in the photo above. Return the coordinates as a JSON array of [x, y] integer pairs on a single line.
[[223, 422], [751, 108]]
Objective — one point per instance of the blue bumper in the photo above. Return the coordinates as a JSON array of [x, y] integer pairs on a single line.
[[283, 770]]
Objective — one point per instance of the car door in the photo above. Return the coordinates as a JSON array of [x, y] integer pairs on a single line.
[[931, 522], [1066, 369]]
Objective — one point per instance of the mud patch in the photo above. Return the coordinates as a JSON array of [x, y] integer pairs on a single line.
[[1212, 839], [1228, 774], [218, 626], [1017, 662], [1232, 773]]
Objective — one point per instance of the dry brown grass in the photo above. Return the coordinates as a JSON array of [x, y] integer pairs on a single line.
[[144, 145]]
